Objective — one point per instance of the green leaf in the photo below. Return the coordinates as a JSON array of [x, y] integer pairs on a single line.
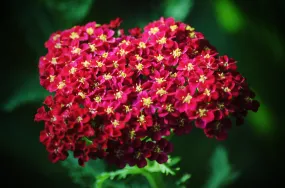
[[119, 174], [30, 91], [101, 179], [36, 25], [178, 9], [221, 170], [152, 172], [173, 161], [263, 122], [84, 176], [69, 12], [87, 141], [163, 168], [183, 180], [94, 174], [229, 16]]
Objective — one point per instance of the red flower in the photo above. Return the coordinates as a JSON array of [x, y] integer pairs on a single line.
[[139, 155], [115, 23], [218, 129], [118, 153], [204, 116], [227, 63], [186, 100], [136, 32], [112, 93], [182, 125], [158, 130], [160, 150]]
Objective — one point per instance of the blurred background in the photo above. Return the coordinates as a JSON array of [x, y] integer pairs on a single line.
[[251, 31]]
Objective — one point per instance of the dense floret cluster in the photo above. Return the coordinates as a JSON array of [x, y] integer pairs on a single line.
[[117, 97]]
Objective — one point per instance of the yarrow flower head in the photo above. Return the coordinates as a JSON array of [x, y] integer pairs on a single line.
[[117, 96]]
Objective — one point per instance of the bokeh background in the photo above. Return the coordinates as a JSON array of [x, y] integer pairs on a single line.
[[251, 31]]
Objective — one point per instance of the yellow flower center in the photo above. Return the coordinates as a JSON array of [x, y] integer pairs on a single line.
[[138, 88], [107, 76], [160, 80], [161, 41], [115, 123], [51, 78], [90, 31], [82, 95], [202, 112], [154, 30], [142, 45], [207, 92], [85, 63], [118, 95], [187, 99], [105, 55], [202, 78], [109, 110], [161, 92], [139, 66], [169, 108], [103, 37], [189, 67], [61, 85], [159, 57], [176, 53], [74, 35], [147, 101], [173, 27], [98, 99]]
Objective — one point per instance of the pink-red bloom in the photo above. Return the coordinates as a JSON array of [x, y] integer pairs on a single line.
[[117, 96]]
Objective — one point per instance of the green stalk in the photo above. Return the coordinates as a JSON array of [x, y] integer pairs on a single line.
[[154, 179]]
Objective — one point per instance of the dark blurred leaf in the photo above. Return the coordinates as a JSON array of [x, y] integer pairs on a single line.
[[35, 25], [229, 16], [271, 39], [233, 20], [221, 170], [69, 12], [178, 9], [183, 180], [263, 121], [29, 91], [84, 176]]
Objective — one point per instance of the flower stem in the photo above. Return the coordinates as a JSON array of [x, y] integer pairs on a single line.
[[150, 180], [153, 179]]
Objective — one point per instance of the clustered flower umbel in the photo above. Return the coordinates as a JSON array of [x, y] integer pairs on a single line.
[[117, 97]]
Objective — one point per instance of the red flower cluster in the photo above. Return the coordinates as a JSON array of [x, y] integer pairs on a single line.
[[117, 97]]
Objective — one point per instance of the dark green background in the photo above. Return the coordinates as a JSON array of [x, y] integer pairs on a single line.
[[251, 31]]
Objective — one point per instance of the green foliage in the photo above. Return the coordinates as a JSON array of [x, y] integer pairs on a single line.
[[69, 12], [229, 16], [30, 91], [119, 174], [263, 121], [95, 174], [178, 9], [87, 141], [84, 176], [272, 39], [183, 180], [38, 25], [164, 168], [221, 170], [150, 172]]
